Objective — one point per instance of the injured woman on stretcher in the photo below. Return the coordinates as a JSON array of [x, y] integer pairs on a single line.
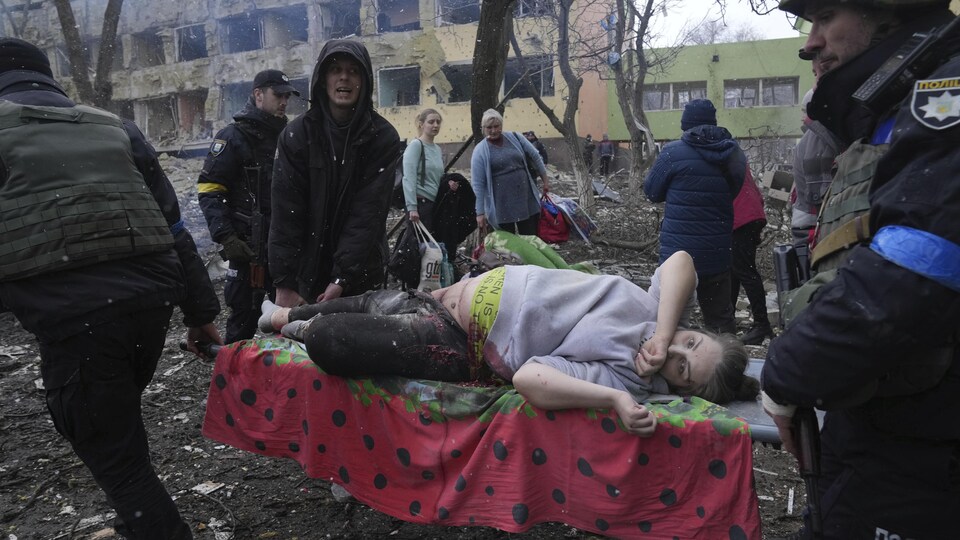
[[563, 338]]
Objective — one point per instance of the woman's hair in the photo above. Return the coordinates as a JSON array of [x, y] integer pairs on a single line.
[[490, 114], [729, 382], [422, 117]]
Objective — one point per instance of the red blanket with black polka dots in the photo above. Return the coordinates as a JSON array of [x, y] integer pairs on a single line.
[[451, 454]]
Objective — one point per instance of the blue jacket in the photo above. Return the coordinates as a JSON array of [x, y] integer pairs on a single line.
[[689, 175]]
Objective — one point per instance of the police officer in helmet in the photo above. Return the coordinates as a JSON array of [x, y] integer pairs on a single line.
[[234, 194], [876, 347]]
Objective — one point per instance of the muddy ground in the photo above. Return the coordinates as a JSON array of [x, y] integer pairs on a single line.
[[224, 493]]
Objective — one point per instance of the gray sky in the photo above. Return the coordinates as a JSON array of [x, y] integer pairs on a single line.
[[770, 26]]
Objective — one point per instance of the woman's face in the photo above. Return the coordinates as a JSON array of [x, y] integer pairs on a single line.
[[431, 125], [692, 358], [492, 130]]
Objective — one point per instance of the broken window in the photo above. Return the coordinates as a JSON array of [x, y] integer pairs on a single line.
[[157, 118], [685, 92], [239, 34], [284, 26], [656, 97], [233, 98], [540, 72], [398, 15], [340, 19], [299, 105], [532, 8], [458, 11], [191, 42], [773, 92], [190, 113], [460, 77], [147, 50], [399, 87]]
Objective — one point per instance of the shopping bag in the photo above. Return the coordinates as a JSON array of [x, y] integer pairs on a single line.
[[552, 227], [431, 260], [404, 262], [447, 271]]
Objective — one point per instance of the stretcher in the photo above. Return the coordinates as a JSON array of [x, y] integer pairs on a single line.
[[459, 454]]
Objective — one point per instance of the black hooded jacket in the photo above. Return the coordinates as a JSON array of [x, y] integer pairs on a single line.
[[236, 173], [331, 190], [59, 304]]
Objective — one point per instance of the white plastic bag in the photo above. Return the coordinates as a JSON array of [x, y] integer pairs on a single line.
[[431, 260]]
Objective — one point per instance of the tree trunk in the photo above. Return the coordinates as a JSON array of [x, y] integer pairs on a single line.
[[489, 58], [80, 70]]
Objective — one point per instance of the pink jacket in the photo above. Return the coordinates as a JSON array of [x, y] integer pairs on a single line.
[[748, 206]]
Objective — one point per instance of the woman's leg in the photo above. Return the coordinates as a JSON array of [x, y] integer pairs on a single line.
[[410, 335]]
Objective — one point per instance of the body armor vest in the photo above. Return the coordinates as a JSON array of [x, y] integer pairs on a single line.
[[73, 195]]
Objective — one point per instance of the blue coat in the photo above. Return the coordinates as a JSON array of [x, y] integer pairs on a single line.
[[689, 176]]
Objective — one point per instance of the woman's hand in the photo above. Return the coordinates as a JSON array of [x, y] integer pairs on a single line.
[[332, 291], [482, 222], [652, 354], [414, 216], [454, 185], [635, 417]]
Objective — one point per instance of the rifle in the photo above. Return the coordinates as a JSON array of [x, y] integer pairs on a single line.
[[791, 264], [258, 231]]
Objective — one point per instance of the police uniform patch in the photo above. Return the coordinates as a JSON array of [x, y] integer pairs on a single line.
[[936, 103], [217, 146]]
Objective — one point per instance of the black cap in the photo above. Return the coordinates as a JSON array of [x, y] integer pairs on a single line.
[[274, 78], [19, 54]]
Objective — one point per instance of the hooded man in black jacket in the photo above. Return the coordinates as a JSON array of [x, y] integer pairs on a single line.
[[234, 194], [332, 181], [94, 257]]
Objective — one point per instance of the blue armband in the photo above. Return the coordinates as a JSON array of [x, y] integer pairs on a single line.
[[177, 227], [920, 252], [884, 132]]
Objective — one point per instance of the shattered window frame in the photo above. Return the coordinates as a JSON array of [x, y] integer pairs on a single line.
[[283, 26], [147, 49], [657, 97], [764, 92], [450, 12], [344, 20], [684, 92], [541, 76], [406, 10], [460, 77], [191, 42], [241, 33], [396, 88]]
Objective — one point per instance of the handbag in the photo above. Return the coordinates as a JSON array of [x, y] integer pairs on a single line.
[[552, 227], [404, 262], [431, 259]]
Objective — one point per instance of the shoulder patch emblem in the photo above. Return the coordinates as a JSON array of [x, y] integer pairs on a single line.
[[936, 103], [217, 146]]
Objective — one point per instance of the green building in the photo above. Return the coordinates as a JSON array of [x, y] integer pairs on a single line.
[[756, 86]]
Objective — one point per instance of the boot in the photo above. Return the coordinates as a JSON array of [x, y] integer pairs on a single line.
[[756, 334]]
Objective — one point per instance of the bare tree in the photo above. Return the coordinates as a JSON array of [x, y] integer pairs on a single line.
[[568, 44], [632, 36], [100, 92]]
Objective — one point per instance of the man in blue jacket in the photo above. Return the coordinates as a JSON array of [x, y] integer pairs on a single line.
[[698, 177]]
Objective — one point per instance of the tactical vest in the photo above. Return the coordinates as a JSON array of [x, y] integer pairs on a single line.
[[843, 221], [72, 195], [842, 224]]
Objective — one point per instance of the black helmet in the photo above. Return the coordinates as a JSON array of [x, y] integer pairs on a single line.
[[906, 7]]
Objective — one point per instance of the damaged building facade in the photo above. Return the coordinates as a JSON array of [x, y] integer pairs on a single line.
[[182, 69]]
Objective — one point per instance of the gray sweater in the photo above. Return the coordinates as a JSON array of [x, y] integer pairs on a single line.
[[587, 326]]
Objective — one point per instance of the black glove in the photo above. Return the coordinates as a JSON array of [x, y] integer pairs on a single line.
[[236, 250]]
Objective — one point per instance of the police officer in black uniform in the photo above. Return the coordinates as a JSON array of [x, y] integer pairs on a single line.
[[93, 258], [234, 193], [877, 345]]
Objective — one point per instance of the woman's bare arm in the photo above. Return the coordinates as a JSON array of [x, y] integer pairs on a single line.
[[678, 279], [548, 388]]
